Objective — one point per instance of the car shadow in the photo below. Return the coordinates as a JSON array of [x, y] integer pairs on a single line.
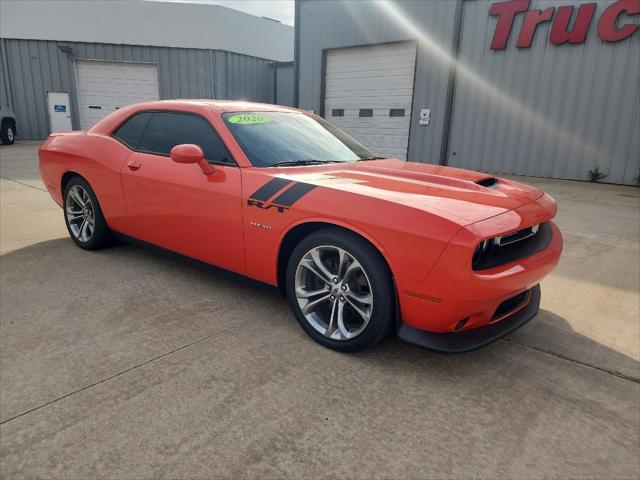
[[37, 274], [547, 333]]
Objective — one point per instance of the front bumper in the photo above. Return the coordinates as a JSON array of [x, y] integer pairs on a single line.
[[453, 291], [468, 340]]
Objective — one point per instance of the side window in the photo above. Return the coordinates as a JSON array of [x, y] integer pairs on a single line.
[[130, 132], [165, 130]]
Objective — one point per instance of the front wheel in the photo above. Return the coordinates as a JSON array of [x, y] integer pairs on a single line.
[[82, 214], [340, 290]]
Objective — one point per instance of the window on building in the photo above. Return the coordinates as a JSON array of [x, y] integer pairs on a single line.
[[130, 131], [165, 130], [366, 112], [396, 112], [337, 112]]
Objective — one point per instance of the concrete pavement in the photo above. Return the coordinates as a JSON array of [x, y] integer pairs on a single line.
[[128, 363]]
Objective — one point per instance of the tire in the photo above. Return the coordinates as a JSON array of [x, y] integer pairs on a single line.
[[346, 309], [7, 133], [96, 234]]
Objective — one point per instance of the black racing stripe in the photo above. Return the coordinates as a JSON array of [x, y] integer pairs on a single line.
[[293, 194], [269, 189]]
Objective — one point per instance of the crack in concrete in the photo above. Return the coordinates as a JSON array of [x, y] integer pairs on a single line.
[[573, 360], [127, 370], [183, 347], [23, 184]]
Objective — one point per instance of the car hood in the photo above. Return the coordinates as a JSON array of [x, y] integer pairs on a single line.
[[461, 196]]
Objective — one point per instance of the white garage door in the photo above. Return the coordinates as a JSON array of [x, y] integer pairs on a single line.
[[368, 92], [103, 87]]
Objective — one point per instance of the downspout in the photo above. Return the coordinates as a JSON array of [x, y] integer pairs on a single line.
[[451, 85]]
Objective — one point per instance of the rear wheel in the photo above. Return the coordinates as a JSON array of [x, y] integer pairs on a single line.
[[82, 214], [340, 290]]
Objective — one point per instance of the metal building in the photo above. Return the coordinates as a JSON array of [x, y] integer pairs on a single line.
[[284, 84], [546, 88], [65, 64]]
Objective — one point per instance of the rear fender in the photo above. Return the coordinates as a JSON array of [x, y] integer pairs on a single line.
[[96, 158]]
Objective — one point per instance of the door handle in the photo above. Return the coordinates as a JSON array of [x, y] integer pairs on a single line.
[[134, 164]]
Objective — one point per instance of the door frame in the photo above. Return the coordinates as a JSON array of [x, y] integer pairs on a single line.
[[49, 120]]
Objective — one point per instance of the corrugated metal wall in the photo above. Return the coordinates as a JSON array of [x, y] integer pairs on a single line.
[[549, 111], [326, 24], [552, 111], [36, 67], [6, 101], [285, 84], [245, 78]]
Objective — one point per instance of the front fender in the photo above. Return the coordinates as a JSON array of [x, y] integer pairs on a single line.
[[410, 240]]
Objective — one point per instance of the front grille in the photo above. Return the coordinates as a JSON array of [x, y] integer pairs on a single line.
[[516, 236], [512, 247]]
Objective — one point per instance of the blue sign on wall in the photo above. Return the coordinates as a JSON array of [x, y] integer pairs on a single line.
[[60, 108]]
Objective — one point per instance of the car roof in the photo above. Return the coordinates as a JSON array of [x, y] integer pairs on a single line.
[[219, 105], [115, 119]]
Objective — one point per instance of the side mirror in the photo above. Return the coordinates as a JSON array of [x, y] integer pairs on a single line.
[[189, 153]]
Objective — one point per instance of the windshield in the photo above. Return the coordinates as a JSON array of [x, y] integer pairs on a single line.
[[270, 138]]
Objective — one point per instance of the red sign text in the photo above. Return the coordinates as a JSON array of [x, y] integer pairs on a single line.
[[611, 24]]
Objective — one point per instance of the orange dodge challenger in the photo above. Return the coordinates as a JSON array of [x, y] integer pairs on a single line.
[[362, 246]]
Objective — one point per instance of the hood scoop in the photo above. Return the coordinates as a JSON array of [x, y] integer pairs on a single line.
[[489, 182]]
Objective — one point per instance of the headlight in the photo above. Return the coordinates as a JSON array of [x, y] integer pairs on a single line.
[[483, 250], [486, 247]]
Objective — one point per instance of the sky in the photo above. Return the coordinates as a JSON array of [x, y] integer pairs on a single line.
[[281, 10]]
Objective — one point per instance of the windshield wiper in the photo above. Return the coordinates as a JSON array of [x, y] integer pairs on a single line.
[[364, 159], [293, 163]]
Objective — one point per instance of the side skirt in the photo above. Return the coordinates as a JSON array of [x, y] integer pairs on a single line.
[[192, 261]]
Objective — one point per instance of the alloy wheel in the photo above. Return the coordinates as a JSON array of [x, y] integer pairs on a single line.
[[80, 213], [333, 292], [10, 134]]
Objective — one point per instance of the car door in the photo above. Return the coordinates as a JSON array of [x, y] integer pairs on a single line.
[[176, 206]]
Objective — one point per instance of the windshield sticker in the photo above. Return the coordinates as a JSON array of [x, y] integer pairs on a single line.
[[249, 119]]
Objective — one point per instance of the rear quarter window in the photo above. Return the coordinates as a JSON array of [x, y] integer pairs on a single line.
[[130, 132]]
